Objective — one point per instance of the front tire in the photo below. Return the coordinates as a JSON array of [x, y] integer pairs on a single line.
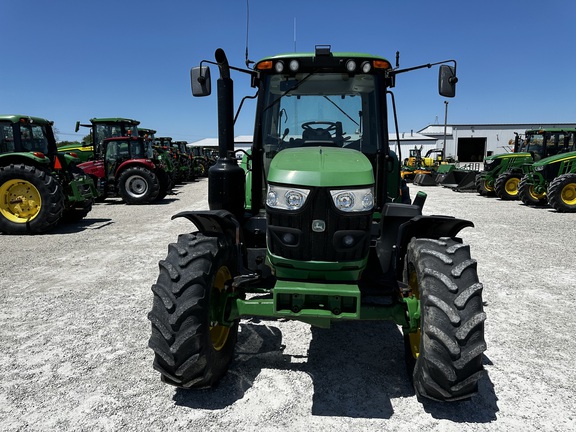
[[138, 185], [31, 200], [482, 186], [562, 193], [449, 343], [506, 186], [528, 195], [192, 347]]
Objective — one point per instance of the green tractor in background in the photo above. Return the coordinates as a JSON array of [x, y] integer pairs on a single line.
[[203, 160], [552, 181], [100, 129], [503, 172], [187, 162], [161, 153], [39, 185], [324, 236]]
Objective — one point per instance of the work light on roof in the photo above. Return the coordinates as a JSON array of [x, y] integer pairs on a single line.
[[350, 65], [294, 65], [366, 67], [279, 66]]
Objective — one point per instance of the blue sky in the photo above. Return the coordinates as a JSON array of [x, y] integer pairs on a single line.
[[69, 60]]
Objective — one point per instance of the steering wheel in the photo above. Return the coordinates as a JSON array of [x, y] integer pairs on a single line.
[[323, 134], [332, 126]]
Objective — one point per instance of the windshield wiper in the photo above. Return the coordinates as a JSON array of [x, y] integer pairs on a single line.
[[341, 110], [289, 90]]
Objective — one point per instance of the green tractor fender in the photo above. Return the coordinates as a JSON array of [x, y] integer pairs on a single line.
[[432, 227], [218, 223], [36, 159]]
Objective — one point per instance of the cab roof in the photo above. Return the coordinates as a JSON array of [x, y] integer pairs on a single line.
[[16, 118]]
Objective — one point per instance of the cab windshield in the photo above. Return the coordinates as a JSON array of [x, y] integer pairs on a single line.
[[320, 109], [34, 138]]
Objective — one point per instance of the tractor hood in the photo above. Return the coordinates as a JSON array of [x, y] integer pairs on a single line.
[[556, 158], [321, 166], [508, 155]]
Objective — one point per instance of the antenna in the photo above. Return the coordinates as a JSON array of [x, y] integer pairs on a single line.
[[294, 34], [248, 62]]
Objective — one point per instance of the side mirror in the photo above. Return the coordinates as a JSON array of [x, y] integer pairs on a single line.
[[77, 126], [200, 81], [447, 81]]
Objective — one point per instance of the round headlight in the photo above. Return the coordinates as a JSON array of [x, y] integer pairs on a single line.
[[344, 201], [294, 199], [272, 198], [366, 67], [279, 66]]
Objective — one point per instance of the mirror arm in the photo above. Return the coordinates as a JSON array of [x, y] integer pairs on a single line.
[[428, 65]]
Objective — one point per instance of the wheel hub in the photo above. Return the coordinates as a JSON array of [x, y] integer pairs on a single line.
[[136, 186], [20, 201]]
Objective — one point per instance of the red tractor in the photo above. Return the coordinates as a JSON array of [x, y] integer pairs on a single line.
[[130, 170]]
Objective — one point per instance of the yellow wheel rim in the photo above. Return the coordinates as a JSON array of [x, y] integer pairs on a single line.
[[569, 194], [512, 186], [219, 333], [414, 337], [535, 195], [20, 201], [488, 187]]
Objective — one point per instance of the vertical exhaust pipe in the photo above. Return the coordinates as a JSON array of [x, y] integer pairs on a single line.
[[226, 180]]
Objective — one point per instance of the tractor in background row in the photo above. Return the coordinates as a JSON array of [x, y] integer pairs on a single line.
[[128, 169], [552, 181], [326, 234], [100, 129], [503, 172], [39, 185]]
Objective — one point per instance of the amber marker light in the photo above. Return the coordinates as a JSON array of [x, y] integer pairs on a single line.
[[381, 64], [265, 65]]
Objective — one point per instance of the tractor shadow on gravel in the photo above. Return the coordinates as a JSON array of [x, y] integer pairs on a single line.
[[82, 225], [356, 368]]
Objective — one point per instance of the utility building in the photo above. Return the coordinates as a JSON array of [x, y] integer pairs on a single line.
[[472, 142]]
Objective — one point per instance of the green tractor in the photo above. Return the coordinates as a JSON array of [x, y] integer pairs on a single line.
[[162, 154], [324, 236], [39, 185], [503, 172], [552, 181], [100, 129], [187, 162]]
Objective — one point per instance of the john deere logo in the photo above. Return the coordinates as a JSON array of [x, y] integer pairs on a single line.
[[318, 225]]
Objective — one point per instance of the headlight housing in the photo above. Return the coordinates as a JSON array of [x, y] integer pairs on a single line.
[[353, 200], [286, 198]]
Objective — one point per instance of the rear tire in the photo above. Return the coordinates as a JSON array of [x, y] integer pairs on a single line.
[[506, 186], [192, 348], [138, 185], [31, 200], [449, 343], [562, 193]]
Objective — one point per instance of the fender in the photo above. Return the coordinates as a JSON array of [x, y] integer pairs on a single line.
[[147, 163], [218, 223], [433, 227], [212, 222]]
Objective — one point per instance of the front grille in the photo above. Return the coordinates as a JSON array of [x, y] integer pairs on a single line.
[[346, 236]]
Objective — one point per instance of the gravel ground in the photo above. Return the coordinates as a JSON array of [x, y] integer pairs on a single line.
[[74, 333]]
